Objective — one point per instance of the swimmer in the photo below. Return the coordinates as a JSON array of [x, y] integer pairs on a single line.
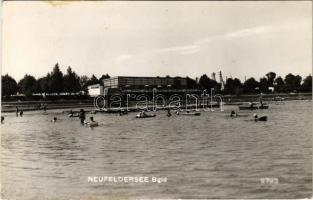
[[169, 114], [233, 114]]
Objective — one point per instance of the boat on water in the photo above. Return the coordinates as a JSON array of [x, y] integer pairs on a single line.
[[253, 106], [191, 113], [263, 118], [144, 115], [73, 115], [91, 124]]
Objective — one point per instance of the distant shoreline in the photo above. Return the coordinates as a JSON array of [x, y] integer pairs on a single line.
[[10, 106]]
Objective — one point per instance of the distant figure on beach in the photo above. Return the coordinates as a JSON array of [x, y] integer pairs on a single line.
[[17, 111], [21, 113], [2, 119], [44, 108], [169, 114], [233, 114], [82, 116]]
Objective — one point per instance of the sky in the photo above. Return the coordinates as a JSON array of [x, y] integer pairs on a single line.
[[150, 38]]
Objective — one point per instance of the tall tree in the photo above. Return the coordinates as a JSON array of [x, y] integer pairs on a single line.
[[44, 84], [233, 86], [279, 85], [56, 80], [93, 80], [83, 81], [293, 83], [8, 85], [270, 78], [28, 85], [104, 76], [263, 85], [250, 85], [307, 84], [206, 83], [71, 82]]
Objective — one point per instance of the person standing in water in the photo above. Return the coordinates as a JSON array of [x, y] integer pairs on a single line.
[[21, 113], [17, 111], [169, 114], [82, 116], [2, 119], [91, 119]]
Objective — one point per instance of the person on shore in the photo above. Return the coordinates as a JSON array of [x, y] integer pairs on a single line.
[[21, 113], [82, 116], [44, 108], [2, 119], [17, 111]]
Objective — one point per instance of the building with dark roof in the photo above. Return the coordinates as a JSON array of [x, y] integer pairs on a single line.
[[131, 82]]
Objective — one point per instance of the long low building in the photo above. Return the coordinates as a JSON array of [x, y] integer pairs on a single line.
[[130, 82]]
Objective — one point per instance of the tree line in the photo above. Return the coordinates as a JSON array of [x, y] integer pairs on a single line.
[[268, 83], [55, 82]]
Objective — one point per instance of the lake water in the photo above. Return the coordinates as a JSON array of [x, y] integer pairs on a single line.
[[207, 156]]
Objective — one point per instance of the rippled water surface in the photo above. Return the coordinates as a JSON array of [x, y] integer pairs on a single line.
[[207, 156]]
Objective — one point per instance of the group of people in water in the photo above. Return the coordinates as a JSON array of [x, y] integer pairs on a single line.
[[234, 114], [82, 117]]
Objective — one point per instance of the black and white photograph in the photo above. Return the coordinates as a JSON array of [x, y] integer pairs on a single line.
[[123, 100]]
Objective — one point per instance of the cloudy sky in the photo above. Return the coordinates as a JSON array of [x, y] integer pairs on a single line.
[[158, 38]]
